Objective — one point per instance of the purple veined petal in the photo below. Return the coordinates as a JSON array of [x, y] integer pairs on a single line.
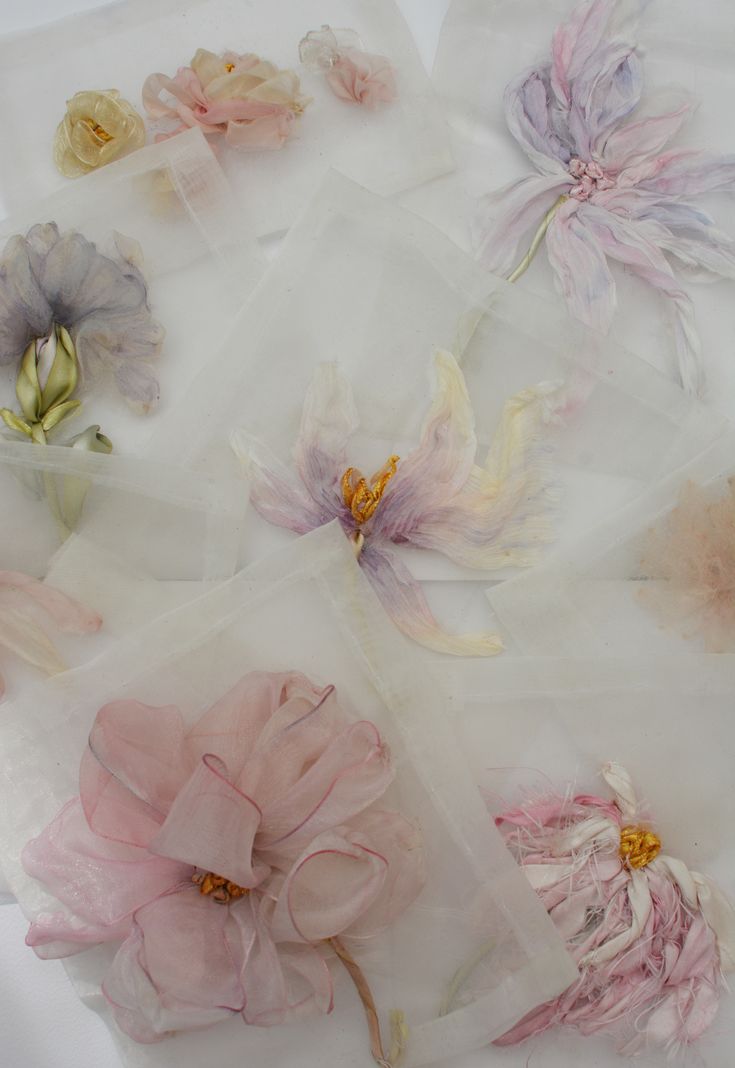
[[404, 601], [328, 421], [137, 382], [687, 172], [441, 463], [646, 136], [503, 514], [632, 243], [541, 134], [506, 216], [578, 260], [603, 95], [25, 313], [690, 235], [276, 493]]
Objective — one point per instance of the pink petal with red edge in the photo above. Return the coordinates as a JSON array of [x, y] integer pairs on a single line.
[[111, 809], [102, 882], [329, 887], [212, 825]]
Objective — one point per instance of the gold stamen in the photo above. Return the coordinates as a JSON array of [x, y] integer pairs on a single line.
[[638, 846], [217, 887], [97, 130], [229, 67], [361, 497]]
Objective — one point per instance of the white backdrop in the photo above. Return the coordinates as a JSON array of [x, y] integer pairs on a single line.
[[42, 1022]]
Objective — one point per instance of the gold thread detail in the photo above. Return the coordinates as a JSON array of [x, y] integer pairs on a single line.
[[363, 497], [217, 887], [638, 846], [98, 131]]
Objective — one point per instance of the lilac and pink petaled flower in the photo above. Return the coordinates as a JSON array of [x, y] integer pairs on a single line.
[[223, 856], [613, 186]]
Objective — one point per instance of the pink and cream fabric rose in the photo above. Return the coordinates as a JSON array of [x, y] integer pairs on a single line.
[[224, 856], [353, 75], [246, 99]]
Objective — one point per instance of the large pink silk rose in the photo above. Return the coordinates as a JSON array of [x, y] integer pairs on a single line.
[[225, 855]]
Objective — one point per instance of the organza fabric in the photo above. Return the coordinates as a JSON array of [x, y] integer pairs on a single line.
[[657, 576], [146, 537], [371, 337], [144, 263], [543, 728], [394, 147], [473, 889], [683, 64]]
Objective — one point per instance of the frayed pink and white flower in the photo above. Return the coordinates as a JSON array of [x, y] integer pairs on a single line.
[[650, 937], [438, 498], [24, 601], [609, 185], [225, 856], [353, 75]]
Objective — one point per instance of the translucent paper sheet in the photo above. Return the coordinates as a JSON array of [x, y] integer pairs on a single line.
[[473, 889], [685, 54], [623, 589], [536, 726], [146, 537], [365, 285], [166, 217], [393, 147]]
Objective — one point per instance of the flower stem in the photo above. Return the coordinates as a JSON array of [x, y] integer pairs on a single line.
[[537, 239], [461, 976], [362, 987]]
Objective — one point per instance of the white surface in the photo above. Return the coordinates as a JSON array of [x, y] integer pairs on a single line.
[[42, 1022]]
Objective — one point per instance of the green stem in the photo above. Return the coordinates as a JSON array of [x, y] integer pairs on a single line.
[[49, 486], [461, 976], [537, 239]]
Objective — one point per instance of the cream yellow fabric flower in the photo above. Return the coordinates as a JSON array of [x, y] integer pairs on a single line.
[[99, 127]]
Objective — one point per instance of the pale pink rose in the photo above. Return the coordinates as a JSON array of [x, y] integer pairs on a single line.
[[222, 857], [362, 79]]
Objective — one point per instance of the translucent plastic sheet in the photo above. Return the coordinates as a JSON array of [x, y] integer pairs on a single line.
[[154, 257], [394, 146], [536, 726], [473, 889], [368, 286], [685, 55], [146, 537], [656, 577]]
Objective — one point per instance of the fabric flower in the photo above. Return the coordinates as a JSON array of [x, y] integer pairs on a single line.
[[352, 74], [437, 498], [224, 855], [612, 188], [22, 601], [692, 553], [649, 936], [98, 127], [246, 98], [49, 278]]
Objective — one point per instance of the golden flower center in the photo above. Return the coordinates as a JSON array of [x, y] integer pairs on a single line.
[[638, 846], [363, 497], [229, 67], [217, 887], [98, 131]]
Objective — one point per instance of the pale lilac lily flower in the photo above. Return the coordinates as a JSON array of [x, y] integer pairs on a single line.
[[437, 498], [23, 601], [608, 186], [651, 937]]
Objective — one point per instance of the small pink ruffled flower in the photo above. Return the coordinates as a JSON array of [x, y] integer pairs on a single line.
[[22, 599], [243, 97], [223, 856], [650, 937], [353, 75]]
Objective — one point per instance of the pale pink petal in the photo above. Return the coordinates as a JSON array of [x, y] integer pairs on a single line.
[[68, 615], [361, 78], [329, 887], [102, 881], [440, 465], [687, 172], [537, 125], [276, 493], [404, 601], [604, 93], [24, 637], [111, 809], [577, 257], [143, 748], [504, 218], [353, 771], [576, 41], [268, 131], [328, 421], [212, 825], [689, 234], [636, 141], [399, 842]]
